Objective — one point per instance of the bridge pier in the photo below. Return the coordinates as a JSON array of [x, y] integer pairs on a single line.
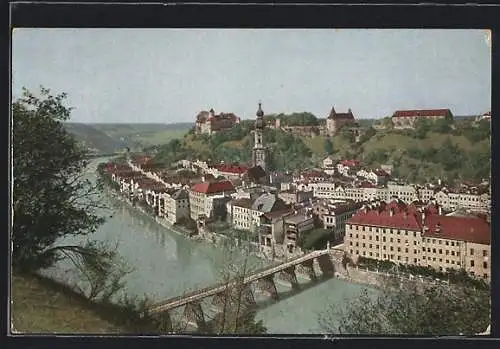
[[247, 296], [308, 267], [267, 284], [220, 299], [164, 321], [326, 265], [194, 313], [289, 275]]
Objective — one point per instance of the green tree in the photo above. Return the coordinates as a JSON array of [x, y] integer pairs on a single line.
[[442, 125], [412, 308], [328, 146], [422, 127], [51, 197]]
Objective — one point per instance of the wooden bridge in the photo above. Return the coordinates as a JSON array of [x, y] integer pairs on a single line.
[[264, 277]]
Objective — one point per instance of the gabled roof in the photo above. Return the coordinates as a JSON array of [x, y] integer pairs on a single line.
[[213, 187], [256, 173], [470, 229], [421, 112]]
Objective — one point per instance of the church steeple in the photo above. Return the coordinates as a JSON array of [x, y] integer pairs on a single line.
[[259, 151]]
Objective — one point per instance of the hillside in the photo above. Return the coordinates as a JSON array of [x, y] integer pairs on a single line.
[[42, 306], [143, 134], [420, 155], [94, 139]]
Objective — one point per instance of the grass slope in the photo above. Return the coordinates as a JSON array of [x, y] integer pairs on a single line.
[[42, 306], [93, 138]]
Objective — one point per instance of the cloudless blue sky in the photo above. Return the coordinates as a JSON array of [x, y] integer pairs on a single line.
[[169, 75]]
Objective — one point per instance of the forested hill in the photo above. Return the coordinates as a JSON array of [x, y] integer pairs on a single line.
[[96, 140], [432, 150]]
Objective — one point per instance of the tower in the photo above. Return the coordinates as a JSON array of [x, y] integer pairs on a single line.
[[259, 152]]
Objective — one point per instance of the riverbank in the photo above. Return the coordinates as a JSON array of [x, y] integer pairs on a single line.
[[42, 305]]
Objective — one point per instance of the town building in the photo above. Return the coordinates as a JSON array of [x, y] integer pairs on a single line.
[[174, 205], [407, 118], [419, 235], [335, 121], [202, 196], [245, 213], [207, 122], [333, 215]]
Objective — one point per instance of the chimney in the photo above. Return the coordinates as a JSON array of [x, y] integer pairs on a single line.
[[391, 212], [423, 217], [440, 210], [203, 178], [438, 227], [405, 215]]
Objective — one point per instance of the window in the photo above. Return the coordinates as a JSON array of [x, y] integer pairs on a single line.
[[399, 249], [357, 252], [370, 245], [452, 243], [485, 265], [399, 241], [447, 243], [440, 259], [363, 244], [392, 248], [472, 252], [383, 238], [471, 263], [351, 251], [485, 276], [376, 238], [414, 234], [440, 251], [485, 253], [406, 233], [350, 243], [390, 240], [452, 253], [369, 237], [357, 244], [377, 247], [370, 254], [433, 241], [423, 257], [384, 256], [406, 250], [458, 253], [383, 247], [433, 250], [356, 236], [447, 252], [399, 258], [363, 237], [414, 243], [415, 251]]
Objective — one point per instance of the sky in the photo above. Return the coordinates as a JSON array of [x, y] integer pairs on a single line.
[[169, 75]]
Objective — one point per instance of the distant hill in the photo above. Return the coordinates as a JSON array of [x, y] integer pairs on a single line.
[[96, 140]]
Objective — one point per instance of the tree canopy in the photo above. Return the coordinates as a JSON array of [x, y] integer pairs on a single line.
[[411, 309], [52, 199]]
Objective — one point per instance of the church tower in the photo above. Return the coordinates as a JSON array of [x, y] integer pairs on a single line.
[[259, 152]]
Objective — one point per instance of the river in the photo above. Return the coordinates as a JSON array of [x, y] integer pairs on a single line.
[[166, 264]]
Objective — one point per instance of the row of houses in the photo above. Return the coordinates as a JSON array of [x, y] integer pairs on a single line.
[[420, 234]]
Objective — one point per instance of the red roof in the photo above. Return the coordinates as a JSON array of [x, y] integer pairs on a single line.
[[212, 187], [366, 184], [470, 229], [399, 220], [232, 169], [423, 112], [314, 174], [351, 163], [381, 173]]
